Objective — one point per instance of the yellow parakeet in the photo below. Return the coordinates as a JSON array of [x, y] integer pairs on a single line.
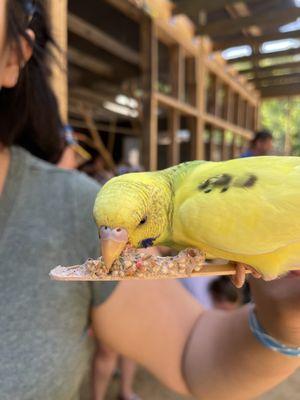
[[245, 210]]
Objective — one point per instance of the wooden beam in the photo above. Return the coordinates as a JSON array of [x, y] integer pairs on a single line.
[[230, 106], [106, 87], [97, 140], [149, 46], [270, 78], [223, 147], [272, 68], [230, 26], [193, 7], [191, 80], [221, 71], [218, 92], [76, 107], [211, 93], [105, 128], [89, 32], [89, 63], [242, 10], [169, 35], [254, 40], [281, 91], [127, 8], [177, 72], [249, 116], [262, 56], [241, 112], [83, 93], [222, 124], [112, 137], [212, 144], [174, 147], [279, 80], [59, 79], [201, 93], [234, 147], [170, 102]]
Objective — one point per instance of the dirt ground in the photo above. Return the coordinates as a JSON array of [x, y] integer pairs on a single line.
[[149, 389]]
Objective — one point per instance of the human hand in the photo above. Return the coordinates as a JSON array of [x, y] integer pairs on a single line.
[[278, 307]]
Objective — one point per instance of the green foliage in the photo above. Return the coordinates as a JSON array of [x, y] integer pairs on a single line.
[[282, 116]]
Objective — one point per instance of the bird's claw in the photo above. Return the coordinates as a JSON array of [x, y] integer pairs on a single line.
[[240, 276]]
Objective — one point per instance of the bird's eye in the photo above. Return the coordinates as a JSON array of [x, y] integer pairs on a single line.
[[143, 221]]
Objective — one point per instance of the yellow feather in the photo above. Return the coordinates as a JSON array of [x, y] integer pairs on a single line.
[[256, 223]]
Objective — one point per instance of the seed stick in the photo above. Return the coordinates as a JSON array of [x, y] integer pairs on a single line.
[[135, 266]]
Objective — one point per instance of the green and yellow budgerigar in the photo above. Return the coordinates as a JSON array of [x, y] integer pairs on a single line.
[[245, 210]]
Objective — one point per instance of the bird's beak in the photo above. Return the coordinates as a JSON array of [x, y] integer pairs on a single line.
[[113, 242]]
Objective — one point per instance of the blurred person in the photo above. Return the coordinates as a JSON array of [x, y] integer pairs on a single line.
[[45, 219], [224, 295], [260, 145], [105, 363], [125, 167], [198, 287], [99, 172], [73, 155]]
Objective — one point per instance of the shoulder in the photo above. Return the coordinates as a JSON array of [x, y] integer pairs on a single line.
[[78, 182]]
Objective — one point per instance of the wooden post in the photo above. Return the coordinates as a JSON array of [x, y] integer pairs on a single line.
[[177, 72], [107, 157], [201, 74], [248, 112], [212, 146], [223, 146], [241, 112], [236, 100], [149, 63], [256, 117], [230, 106], [235, 147], [191, 81], [58, 11], [217, 98], [174, 126], [178, 92], [112, 137]]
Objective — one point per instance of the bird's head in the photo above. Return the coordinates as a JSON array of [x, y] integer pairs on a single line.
[[132, 209]]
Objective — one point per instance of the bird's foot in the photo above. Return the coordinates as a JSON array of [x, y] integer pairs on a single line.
[[240, 276]]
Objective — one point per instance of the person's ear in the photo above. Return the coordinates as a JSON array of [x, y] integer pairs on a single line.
[[14, 64]]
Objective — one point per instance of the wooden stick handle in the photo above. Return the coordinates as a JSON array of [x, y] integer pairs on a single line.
[[79, 273]]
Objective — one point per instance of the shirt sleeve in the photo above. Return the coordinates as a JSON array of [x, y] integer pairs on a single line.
[[85, 191]]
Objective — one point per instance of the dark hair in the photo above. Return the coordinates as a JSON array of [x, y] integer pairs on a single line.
[[222, 289], [29, 115], [261, 136]]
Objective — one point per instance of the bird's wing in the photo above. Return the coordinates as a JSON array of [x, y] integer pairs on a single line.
[[245, 206]]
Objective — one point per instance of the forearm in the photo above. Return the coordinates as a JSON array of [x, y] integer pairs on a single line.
[[222, 359], [149, 322]]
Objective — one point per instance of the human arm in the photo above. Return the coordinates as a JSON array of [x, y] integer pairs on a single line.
[[163, 328]]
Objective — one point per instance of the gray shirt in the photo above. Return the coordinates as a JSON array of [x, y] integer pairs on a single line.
[[45, 220]]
